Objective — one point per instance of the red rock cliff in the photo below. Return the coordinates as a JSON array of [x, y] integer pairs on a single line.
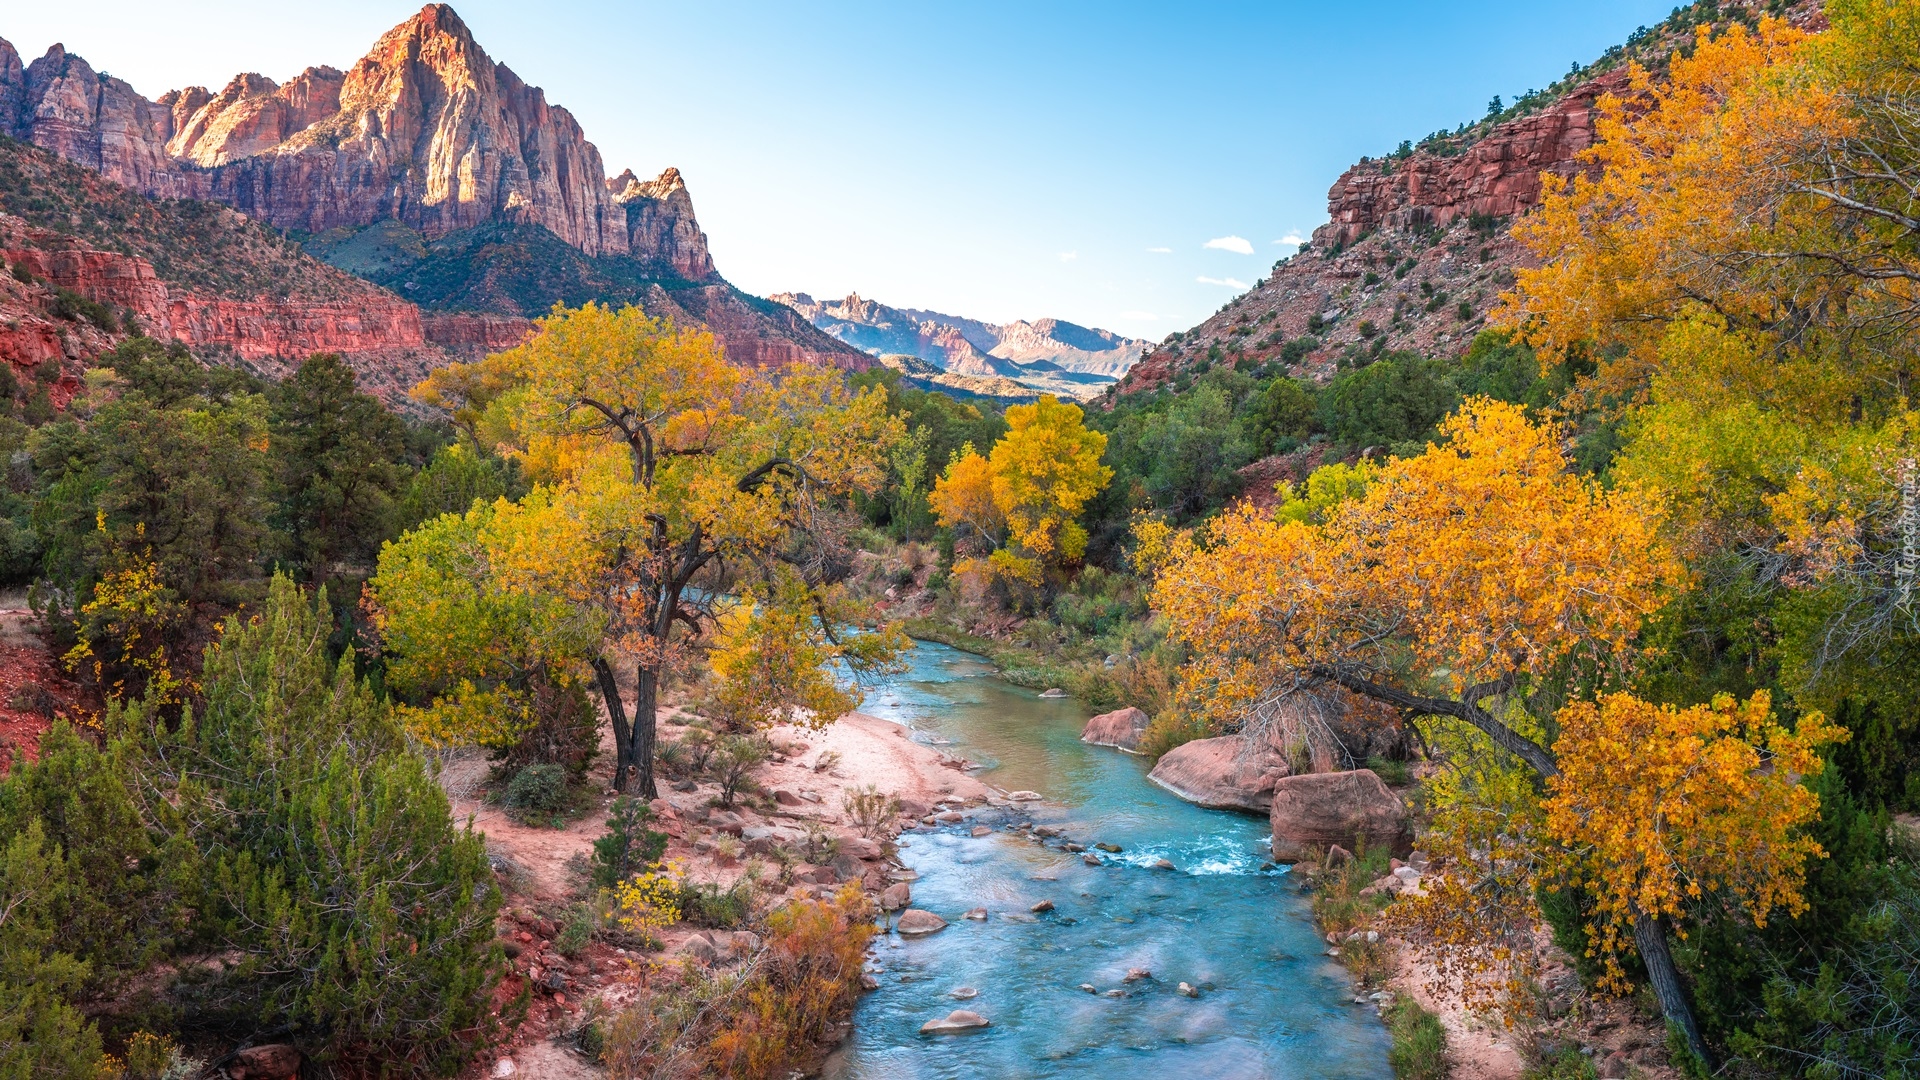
[[1498, 176]]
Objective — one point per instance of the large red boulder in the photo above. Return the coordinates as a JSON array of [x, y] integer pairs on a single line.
[[1313, 811], [1120, 729], [1226, 773]]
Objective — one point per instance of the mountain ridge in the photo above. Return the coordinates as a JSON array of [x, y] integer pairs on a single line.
[[1045, 355]]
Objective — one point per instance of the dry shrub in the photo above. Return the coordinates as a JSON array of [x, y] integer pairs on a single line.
[[766, 1019], [870, 809], [807, 978]]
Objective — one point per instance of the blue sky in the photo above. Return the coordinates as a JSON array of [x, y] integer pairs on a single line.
[[995, 160]]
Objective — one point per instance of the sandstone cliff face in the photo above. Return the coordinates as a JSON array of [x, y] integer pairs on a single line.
[[425, 129], [1497, 177], [381, 335]]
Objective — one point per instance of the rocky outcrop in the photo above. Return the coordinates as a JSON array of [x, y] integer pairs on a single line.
[[1120, 729], [1225, 773], [425, 129], [1314, 811], [1497, 177]]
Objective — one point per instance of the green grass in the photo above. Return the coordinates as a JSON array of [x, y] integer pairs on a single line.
[[1419, 1049]]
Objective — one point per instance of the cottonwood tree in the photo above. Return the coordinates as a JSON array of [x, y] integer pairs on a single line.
[[1019, 503], [1478, 582], [685, 479]]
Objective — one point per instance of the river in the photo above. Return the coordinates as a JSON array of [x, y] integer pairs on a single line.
[[1271, 1003]]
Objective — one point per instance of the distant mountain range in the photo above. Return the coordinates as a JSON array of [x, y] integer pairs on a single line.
[[1001, 360]]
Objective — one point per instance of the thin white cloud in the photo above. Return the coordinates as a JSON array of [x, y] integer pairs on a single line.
[[1232, 283], [1069, 256], [1239, 245], [1160, 251], [1293, 238]]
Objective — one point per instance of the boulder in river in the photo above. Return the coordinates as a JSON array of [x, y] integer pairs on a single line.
[[897, 895], [1120, 729], [1314, 811], [917, 921], [1225, 773], [957, 1022]]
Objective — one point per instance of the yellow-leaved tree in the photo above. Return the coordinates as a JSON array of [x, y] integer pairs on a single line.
[[1017, 506], [1476, 583], [677, 481]]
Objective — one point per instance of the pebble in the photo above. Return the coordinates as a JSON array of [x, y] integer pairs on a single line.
[[504, 1067], [1188, 990], [1090, 988], [963, 993], [1044, 905], [1116, 993]]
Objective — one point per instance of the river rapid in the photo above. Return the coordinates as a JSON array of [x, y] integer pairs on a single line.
[[1270, 1004]]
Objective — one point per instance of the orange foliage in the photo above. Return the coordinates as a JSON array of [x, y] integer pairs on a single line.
[[805, 980], [1659, 806]]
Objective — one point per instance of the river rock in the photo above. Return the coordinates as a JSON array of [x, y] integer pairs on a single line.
[[915, 922], [978, 914], [1188, 990], [1025, 796], [1090, 859], [1090, 988], [1136, 974], [1120, 729], [1111, 849], [1314, 811], [963, 993], [957, 1022], [1163, 864], [1225, 773], [1044, 905], [1053, 692], [982, 830], [950, 817], [897, 895]]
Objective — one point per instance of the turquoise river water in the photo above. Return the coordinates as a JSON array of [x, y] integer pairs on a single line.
[[1270, 1005]]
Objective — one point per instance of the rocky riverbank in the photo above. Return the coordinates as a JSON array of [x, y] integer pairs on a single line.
[[792, 839]]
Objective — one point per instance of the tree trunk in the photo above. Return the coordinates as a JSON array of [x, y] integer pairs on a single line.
[[640, 748], [1652, 942], [617, 716]]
